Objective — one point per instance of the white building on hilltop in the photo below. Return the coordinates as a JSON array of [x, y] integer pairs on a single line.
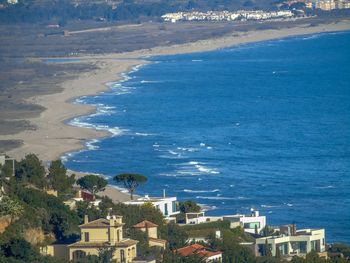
[[167, 205]]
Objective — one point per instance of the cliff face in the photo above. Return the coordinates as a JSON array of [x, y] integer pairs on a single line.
[[5, 221]]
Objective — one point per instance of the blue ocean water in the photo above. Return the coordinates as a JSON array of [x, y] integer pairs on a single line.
[[263, 125]]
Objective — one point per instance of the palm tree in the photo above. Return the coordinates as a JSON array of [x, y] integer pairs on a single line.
[[130, 181]]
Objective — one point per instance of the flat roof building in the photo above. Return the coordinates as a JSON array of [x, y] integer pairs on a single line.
[[290, 242], [166, 205]]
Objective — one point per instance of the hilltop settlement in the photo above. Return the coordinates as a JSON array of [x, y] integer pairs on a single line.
[[49, 215]]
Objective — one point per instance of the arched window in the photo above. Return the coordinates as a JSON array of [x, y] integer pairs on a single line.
[[122, 256]]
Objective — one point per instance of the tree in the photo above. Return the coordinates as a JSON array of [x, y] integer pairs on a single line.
[[131, 181], [312, 257], [58, 178], [188, 207], [31, 170], [92, 183], [105, 254], [19, 249], [175, 235]]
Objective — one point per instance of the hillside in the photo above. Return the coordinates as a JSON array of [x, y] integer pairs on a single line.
[[113, 10]]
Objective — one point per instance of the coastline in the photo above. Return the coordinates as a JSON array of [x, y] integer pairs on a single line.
[[53, 137]]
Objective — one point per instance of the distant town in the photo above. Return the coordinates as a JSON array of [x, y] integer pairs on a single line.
[[226, 15], [244, 15]]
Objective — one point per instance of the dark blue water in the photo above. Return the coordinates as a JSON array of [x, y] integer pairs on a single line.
[[264, 125]]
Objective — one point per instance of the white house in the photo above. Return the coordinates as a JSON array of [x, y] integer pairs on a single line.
[[167, 205], [291, 242], [250, 223]]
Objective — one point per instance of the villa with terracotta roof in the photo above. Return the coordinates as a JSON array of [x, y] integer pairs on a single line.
[[103, 233], [197, 249], [152, 233]]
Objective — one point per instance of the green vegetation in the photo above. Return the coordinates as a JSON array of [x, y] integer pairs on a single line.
[[10, 207], [220, 225], [130, 181], [31, 170], [36, 219], [188, 207], [92, 183], [58, 178]]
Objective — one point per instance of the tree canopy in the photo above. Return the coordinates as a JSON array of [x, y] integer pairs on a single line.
[[131, 181], [189, 206], [92, 183], [58, 178], [31, 170]]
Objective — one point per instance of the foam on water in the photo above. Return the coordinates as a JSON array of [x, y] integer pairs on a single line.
[[201, 191], [250, 121]]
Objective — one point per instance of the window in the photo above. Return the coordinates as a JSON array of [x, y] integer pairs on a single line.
[[78, 255], [166, 209], [122, 256], [252, 225], [303, 247], [86, 237], [174, 206], [283, 248]]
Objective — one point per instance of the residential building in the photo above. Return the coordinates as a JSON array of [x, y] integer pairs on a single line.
[[291, 242], [195, 218], [227, 15], [82, 196], [103, 233], [326, 5], [197, 249], [253, 223], [151, 230], [167, 205], [197, 236]]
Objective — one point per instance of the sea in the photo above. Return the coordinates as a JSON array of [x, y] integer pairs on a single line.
[[262, 125]]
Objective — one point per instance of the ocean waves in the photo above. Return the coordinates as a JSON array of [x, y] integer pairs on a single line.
[[201, 191], [222, 198], [114, 131]]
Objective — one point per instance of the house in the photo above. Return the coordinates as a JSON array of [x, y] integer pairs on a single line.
[[290, 242], [103, 233], [251, 223], [194, 218], [197, 236], [167, 205], [82, 196], [151, 230], [197, 249]]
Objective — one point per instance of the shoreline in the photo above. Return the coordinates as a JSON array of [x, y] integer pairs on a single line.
[[54, 137]]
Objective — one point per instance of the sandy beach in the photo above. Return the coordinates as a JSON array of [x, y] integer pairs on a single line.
[[52, 137]]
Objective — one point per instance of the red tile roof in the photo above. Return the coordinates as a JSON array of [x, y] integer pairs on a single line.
[[145, 224], [197, 249]]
